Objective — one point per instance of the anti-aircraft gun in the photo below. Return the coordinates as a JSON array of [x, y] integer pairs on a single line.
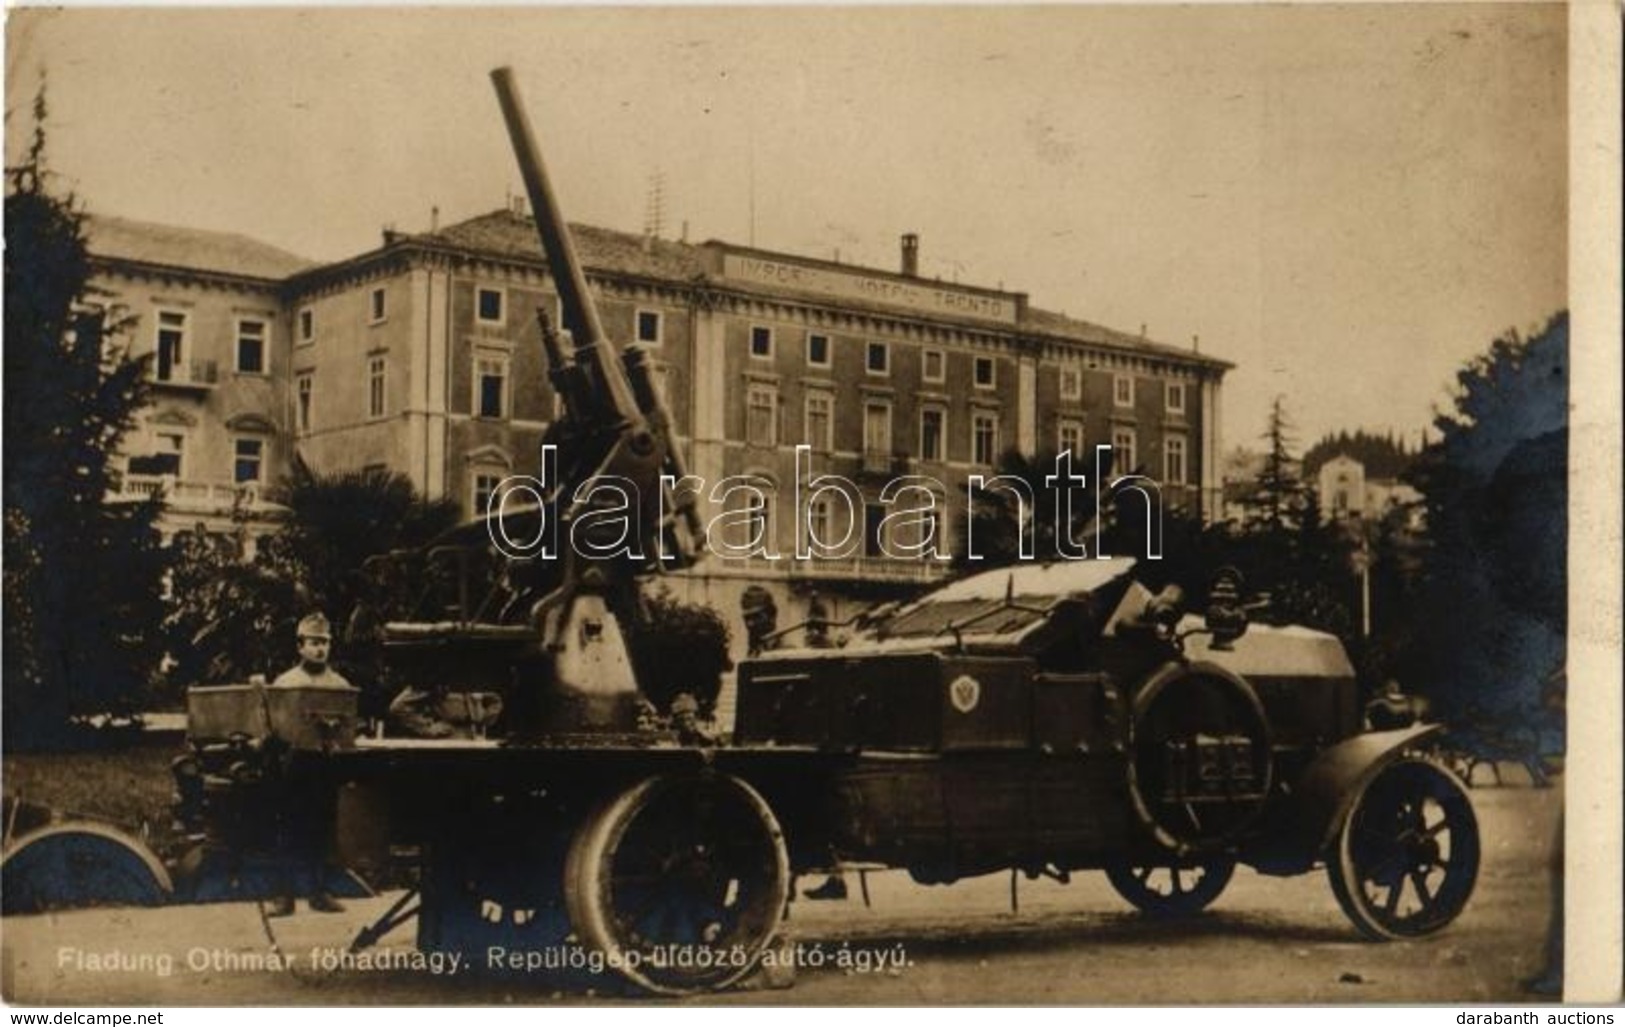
[[610, 461], [527, 839]]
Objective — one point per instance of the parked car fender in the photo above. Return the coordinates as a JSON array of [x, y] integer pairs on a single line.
[[1332, 783]]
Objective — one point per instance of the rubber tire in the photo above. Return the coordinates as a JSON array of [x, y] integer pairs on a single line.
[[75, 865], [1368, 826], [1216, 874], [590, 885]]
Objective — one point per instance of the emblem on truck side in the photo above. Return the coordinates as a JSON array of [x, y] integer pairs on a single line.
[[965, 692]]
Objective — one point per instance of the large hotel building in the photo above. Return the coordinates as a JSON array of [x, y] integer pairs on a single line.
[[423, 356]]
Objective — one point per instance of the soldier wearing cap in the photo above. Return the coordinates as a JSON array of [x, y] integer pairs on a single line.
[[315, 646], [761, 616], [306, 826]]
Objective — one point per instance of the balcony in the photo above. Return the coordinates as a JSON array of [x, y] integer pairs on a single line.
[[849, 568], [187, 375], [872, 568], [881, 464], [190, 495]]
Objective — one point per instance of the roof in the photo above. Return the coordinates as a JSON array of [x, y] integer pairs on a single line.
[[503, 233], [1048, 322], [191, 248]]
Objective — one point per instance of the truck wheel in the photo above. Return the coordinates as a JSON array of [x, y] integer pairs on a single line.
[[1172, 891], [76, 865], [1406, 857], [680, 881]]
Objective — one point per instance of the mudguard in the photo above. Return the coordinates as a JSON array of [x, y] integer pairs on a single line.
[[73, 864], [1327, 790]]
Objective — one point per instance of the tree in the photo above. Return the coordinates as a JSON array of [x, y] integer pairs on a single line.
[[1494, 583], [998, 519], [678, 648], [231, 617], [1280, 491], [84, 576]]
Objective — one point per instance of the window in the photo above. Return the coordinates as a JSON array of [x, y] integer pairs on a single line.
[[303, 386], [649, 327], [1123, 457], [756, 534], [375, 305], [984, 437], [820, 426], [171, 365], [933, 366], [874, 520], [251, 347], [169, 449], [761, 415], [1071, 383], [1173, 460], [818, 521], [1123, 390], [375, 386], [817, 350], [984, 375], [488, 306], [307, 325], [933, 431], [1175, 395], [1070, 437], [490, 387], [249, 465], [485, 486], [761, 342], [878, 359], [877, 427]]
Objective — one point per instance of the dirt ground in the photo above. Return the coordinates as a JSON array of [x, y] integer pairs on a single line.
[[1266, 940]]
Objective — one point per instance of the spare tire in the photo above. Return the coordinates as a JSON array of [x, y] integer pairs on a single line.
[[1200, 767]]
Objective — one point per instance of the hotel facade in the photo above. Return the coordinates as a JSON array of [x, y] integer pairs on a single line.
[[423, 356]]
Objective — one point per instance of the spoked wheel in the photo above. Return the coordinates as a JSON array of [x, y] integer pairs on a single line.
[[1178, 890], [680, 881], [1407, 855]]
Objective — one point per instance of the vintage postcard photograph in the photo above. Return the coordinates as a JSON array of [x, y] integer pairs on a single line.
[[874, 506]]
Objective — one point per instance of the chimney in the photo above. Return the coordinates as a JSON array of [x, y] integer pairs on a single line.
[[434, 219], [911, 255]]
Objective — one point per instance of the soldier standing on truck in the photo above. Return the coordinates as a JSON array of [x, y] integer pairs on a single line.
[[306, 825], [315, 647]]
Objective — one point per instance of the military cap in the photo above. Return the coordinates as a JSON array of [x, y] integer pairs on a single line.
[[315, 626]]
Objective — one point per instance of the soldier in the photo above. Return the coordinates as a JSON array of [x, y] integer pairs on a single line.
[[315, 646], [761, 615], [307, 819], [817, 632]]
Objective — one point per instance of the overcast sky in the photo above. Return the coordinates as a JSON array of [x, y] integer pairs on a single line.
[[1345, 201]]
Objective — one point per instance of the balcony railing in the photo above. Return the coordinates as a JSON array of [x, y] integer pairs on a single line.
[[848, 568], [189, 493], [882, 464], [188, 374]]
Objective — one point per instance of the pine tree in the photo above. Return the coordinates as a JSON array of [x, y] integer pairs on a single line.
[[1279, 495], [83, 575]]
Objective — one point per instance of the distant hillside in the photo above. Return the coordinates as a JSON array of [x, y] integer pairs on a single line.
[[1383, 455]]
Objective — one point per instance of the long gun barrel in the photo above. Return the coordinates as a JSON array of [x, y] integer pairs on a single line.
[[606, 392], [612, 394]]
